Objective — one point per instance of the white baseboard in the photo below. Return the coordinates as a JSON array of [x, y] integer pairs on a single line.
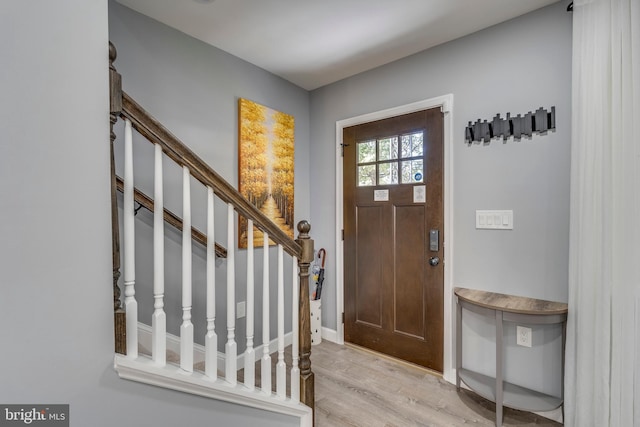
[[330, 335]]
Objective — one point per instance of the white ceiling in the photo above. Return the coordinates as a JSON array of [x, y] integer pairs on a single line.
[[314, 43]]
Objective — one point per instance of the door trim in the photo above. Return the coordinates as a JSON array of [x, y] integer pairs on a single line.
[[445, 102]]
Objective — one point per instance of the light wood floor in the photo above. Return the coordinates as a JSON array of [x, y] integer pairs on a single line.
[[355, 387], [359, 388]]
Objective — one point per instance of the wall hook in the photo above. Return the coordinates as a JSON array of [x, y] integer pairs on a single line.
[[539, 122]]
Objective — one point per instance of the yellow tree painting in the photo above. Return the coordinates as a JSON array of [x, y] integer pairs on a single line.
[[266, 169]]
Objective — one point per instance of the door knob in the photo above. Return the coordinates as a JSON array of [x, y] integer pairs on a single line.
[[433, 261]]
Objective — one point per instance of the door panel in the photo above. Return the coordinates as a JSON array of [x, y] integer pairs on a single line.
[[393, 297], [369, 267], [409, 298]]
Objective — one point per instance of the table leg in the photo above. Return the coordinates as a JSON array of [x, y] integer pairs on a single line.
[[499, 351], [564, 338], [458, 342]]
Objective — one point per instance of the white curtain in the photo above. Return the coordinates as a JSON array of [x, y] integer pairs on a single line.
[[601, 380]]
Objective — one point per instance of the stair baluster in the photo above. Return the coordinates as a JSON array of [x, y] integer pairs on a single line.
[[249, 354], [130, 303], [281, 367], [186, 329], [295, 294], [159, 318], [211, 339], [265, 367], [231, 349]]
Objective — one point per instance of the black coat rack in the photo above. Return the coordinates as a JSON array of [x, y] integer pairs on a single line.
[[539, 122]]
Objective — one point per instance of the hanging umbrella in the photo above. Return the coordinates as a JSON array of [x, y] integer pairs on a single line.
[[317, 293]]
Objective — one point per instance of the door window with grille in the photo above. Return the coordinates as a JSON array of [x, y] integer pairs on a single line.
[[397, 159]]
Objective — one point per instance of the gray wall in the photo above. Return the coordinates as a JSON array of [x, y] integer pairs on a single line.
[[55, 255], [56, 245], [515, 67], [203, 85]]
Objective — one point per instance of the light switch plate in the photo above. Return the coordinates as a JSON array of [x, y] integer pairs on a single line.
[[494, 219], [241, 309]]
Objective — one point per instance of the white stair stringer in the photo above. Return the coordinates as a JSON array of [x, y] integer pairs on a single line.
[[143, 370]]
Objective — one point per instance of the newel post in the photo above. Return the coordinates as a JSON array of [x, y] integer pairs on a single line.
[[115, 107], [304, 315]]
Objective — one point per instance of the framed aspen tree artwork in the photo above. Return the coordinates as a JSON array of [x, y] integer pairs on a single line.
[[265, 166]]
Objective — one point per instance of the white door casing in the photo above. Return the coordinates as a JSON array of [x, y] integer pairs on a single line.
[[445, 102]]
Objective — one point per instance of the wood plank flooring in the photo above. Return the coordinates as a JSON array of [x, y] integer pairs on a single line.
[[356, 387]]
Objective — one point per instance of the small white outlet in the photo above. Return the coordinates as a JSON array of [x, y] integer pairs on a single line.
[[523, 335], [241, 310]]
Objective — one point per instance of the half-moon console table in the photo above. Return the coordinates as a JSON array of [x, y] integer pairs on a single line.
[[507, 308]]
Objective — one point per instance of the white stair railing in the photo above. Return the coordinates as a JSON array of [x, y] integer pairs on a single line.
[[187, 344], [154, 368]]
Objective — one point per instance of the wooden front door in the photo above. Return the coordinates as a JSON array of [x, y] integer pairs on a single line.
[[393, 233]]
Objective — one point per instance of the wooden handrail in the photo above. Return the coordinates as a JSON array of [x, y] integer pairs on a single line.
[[123, 105], [147, 203], [176, 150]]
